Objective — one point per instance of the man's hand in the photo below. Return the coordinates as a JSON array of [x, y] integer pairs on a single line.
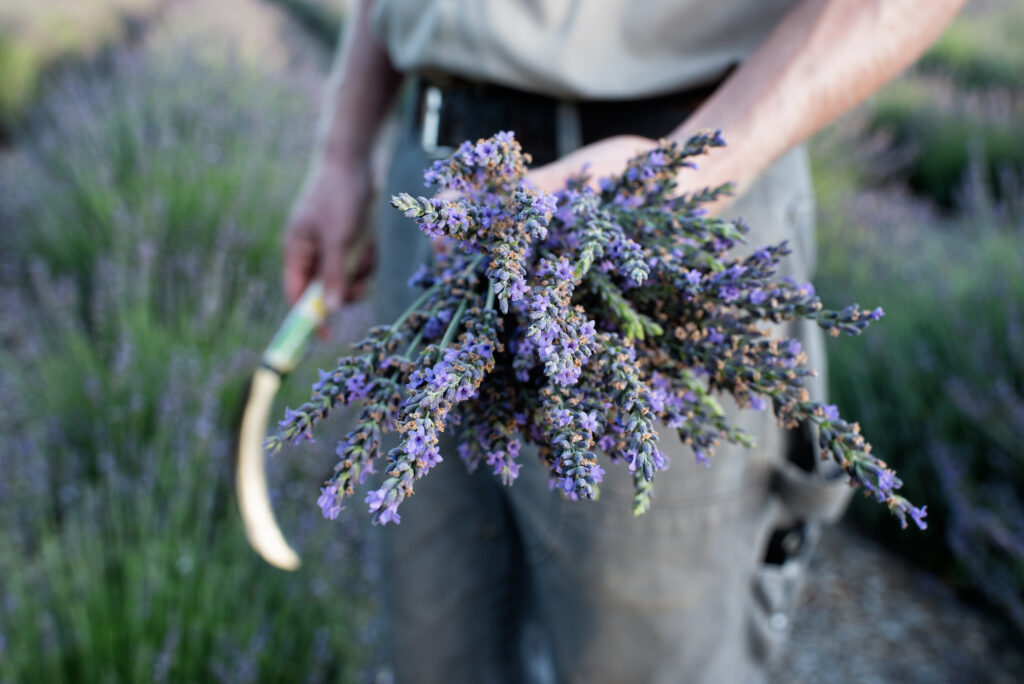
[[326, 226], [608, 158], [604, 158], [328, 222]]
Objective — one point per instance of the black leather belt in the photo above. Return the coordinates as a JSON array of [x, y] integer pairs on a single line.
[[451, 110]]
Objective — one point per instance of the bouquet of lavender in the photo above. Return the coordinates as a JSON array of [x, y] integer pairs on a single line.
[[577, 321]]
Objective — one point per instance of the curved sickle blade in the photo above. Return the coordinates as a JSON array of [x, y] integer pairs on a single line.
[[250, 477]]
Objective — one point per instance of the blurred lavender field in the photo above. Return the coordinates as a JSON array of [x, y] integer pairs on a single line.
[[148, 162], [142, 205], [922, 210]]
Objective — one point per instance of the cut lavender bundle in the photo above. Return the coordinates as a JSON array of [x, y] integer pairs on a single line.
[[579, 322]]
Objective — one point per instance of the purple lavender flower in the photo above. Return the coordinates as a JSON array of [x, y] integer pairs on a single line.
[[329, 502], [588, 421], [517, 289], [441, 374], [416, 442], [290, 416], [918, 515], [389, 514], [357, 387], [729, 293], [456, 217], [375, 498], [431, 456], [485, 150], [567, 376], [319, 385], [887, 482]]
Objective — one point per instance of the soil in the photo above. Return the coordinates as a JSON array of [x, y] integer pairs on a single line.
[[869, 616]]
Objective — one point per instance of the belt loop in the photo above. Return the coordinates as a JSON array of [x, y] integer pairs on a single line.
[[431, 125], [568, 129]]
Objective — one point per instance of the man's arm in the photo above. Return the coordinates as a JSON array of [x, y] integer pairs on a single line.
[[825, 57], [328, 219]]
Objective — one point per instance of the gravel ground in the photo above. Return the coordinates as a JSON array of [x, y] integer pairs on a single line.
[[867, 616]]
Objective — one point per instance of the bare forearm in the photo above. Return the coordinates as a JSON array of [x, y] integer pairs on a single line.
[[824, 58], [360, 90], [328, 220]]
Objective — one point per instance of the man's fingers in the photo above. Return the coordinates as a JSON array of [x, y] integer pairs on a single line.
[[299, 264], [332, 270], [360, 277]]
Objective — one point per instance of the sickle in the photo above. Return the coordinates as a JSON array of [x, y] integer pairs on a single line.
[[280, 357]]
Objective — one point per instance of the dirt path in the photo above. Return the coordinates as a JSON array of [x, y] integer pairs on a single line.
[[867, 616]]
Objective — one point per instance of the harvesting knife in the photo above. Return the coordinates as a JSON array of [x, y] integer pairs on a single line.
[[280, 357]]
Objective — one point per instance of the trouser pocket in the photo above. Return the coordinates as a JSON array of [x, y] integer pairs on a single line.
[[811, 493], [776, 589]]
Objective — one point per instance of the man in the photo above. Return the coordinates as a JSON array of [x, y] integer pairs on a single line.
[[477, 574]]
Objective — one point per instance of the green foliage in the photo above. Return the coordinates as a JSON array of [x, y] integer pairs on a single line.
[[945, 143], [18, 72], [980, 52], [139, 273], [35, 36]]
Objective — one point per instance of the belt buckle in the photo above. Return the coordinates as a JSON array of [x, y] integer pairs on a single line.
[[431, 125]]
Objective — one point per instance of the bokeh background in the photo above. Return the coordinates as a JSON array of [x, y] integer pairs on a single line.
[[149, 152]]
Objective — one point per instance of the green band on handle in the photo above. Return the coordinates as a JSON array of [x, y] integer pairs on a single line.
[[286, 348]]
